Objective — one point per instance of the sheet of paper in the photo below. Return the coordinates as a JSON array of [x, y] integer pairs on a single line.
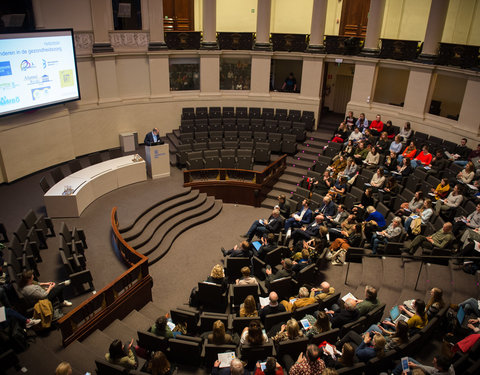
[[347, 296], [264, 301], [225, 358]]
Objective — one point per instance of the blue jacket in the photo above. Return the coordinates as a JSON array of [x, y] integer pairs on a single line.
[[364, 352], [378, 217], [307, 217]]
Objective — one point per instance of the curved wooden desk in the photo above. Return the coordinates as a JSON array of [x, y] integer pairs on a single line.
[[91, 183]]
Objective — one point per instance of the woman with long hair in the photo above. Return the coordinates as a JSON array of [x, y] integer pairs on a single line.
[[408, 207], [409, 152], [217, 276], [158, 364], [435, 303], [318, 325], [419, 319], [442, 189], [118, 355], [466, 175], [425, 213], [218, 335], [289, 331], [253, 334], [248, 309]]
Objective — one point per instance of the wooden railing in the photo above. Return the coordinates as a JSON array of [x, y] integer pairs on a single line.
[[131, 290], [236, 185]]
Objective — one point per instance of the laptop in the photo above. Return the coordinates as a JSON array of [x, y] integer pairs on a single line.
[[460, 315], [395, 315]]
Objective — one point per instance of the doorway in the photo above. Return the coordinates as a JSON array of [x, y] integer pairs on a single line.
[[354, 19], [337, 89], [178, 15]]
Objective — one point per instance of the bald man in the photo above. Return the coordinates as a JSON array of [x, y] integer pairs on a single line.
[[323, 292], [273, 306]]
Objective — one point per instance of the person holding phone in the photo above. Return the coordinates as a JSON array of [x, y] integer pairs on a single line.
[[441, 366]]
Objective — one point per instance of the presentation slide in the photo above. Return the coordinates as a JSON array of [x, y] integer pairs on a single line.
[[37, 69]]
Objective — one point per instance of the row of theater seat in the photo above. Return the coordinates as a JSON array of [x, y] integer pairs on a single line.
[[24, 253]]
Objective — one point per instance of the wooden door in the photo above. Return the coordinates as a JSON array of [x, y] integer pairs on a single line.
[[178, 15], [354, 18], [343, 92]]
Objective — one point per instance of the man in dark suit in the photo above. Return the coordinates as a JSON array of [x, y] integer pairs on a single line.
[[286, 271], [238, 251], [302, 217], [272, 308], [327, 208], [344, 316], [264, 226], [307, 232], [268, 244], [153, 138]]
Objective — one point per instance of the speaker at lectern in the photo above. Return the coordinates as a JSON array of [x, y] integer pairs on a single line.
[[158, 160]]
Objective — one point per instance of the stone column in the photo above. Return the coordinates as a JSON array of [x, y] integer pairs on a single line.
[[100, 14], [317, 30], [435, 25], [264, 8], [209, 40], [374, 26], [155, 17]]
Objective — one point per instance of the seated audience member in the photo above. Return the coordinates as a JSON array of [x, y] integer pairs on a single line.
[[236, 368], [338, 166], [238, 251], [248, 309], [318, 325], [283, 206], [460, 154], [471, 221], [389, 129], [472, 155], [302, 217], [34, 291], [370, 346], [323, 292], [327, 208], [340, 246], [345, 315], [389, 190], [217, 276], [289, 331], [263, 226], [286, 271], [466, 175], [397, 145], [347, 359], [438, 164], [376, 127], [392, 233], [393, 338], [247, 278], [307, 232], [362, 122], [409, 152], [347, 150], [301, 300], [339, 189], [424, 158], [161, 328], [268, 244], [158, 364], [450, 204], [369, 139], [350, 170], [355, 136], [218, 335], [372, 159], [439, 239], [442, 189], [471, 306], [378, 179], [390, 163], [299, 263], [64, 368], [347, 227], [341, 134], [383, 143], [441, 366], [272, 367], [367, 198], [360, 153], [405, 169], [337, 219], [373, 222], [424, 214], [323, 185], [369, 303], [405, 132], [350, 121], [406, 208], [308, 364], [417, 320], [252, 335], [118, 355], [273, 306], [435, 303]]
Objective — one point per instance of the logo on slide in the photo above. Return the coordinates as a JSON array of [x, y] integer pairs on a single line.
[[25, 65], [40, 93], [66, 78], [5, 68]]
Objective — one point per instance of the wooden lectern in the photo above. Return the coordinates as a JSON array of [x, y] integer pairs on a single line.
[[158, 160]]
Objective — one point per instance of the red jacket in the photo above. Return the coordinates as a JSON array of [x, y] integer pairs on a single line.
[[424, 159], [377, 125]]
